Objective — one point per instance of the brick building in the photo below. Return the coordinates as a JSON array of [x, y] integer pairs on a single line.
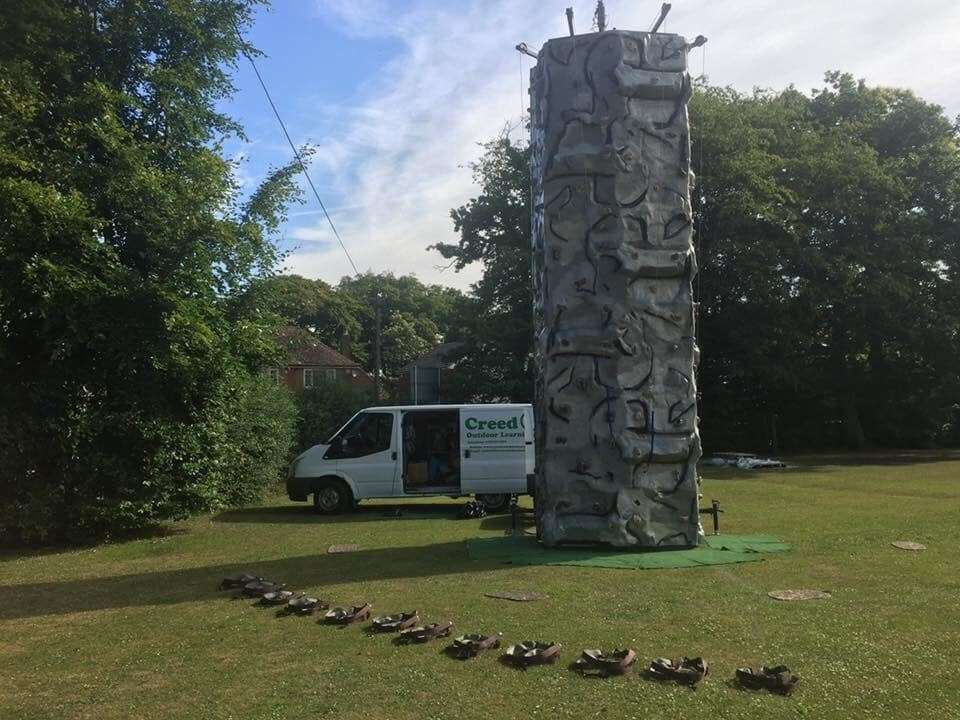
[[311, 363]]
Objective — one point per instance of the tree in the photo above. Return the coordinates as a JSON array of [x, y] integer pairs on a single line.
[[311, 304], [828, 233], [414, 317], [128, 390], [406, 338], [494, 227], [829, 244]]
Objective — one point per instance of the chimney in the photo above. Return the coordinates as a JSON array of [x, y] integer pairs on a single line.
[[346, 345]]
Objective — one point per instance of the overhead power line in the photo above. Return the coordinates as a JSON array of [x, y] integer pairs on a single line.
[[296, 154]]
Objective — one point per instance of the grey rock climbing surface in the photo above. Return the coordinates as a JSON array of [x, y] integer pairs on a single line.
[[616, 433]]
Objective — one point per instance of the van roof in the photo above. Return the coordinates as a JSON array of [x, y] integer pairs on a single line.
[[487, 406]]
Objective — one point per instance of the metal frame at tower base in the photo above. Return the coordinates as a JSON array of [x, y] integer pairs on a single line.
[[613, 262]]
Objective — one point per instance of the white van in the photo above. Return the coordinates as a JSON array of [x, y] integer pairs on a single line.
[[419, 451]]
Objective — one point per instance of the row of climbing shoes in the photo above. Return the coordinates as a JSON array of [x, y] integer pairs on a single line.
[[604, 664], [686, 671], [425, 633], [396, 623], [593, 662], [468, 646], [776, 679]]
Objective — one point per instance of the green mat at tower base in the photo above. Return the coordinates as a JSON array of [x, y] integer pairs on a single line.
[[718, 550]]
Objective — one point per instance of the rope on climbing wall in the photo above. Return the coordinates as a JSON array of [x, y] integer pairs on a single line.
[[661, 18], [522, 109], [698, 237], [524, 115], [586, 183], [703, 198]]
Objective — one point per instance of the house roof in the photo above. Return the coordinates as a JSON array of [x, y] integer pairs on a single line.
[[440, 356], [303, 348]]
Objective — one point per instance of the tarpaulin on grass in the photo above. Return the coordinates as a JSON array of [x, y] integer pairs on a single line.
[[718, 550], [748, 543]]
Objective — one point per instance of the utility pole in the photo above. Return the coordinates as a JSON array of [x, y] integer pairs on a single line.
[[376, 348]]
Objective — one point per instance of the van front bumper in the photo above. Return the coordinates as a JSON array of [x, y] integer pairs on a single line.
[[298, 489]]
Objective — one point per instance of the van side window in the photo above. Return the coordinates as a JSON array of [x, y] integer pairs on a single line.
[[366, 434]]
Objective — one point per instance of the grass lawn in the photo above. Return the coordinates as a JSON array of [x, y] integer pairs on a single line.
[[137, 630]]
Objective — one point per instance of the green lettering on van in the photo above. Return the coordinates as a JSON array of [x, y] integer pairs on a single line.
[[514, 423]]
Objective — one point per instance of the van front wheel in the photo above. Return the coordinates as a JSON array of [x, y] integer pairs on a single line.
[[332, 497], [494, 503]]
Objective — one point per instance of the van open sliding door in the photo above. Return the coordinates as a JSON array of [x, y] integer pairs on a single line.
[[431, 451], [492, 449]]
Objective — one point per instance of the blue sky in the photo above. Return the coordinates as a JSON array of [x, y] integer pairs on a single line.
[[312, 62], [396, 96]]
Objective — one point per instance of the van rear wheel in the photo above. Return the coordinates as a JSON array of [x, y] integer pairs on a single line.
[[332, 497], [494, 503]]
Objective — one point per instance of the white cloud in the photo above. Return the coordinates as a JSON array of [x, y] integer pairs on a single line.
[[400, 154], [365, 18]]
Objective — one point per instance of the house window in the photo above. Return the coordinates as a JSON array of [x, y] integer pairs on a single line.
[[273, 375], [314, 377]]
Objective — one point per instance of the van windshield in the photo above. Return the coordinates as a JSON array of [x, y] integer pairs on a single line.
[[365, 434]]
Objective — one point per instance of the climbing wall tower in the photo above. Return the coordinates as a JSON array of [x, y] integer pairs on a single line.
[[616, 435]]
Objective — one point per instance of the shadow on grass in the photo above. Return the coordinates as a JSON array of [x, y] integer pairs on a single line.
[[17, 551], [313, 573], [506, 522], [497, 522], [287, 514]]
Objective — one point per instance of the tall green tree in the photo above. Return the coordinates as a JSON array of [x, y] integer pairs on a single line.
[[310, 304], [414, 317], [405, 338], [829, 230], [828, 234], [127, 389], [494, 228]]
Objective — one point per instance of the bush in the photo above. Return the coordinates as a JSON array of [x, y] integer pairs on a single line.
[[325, 408], [104, 471], [261, 441]]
